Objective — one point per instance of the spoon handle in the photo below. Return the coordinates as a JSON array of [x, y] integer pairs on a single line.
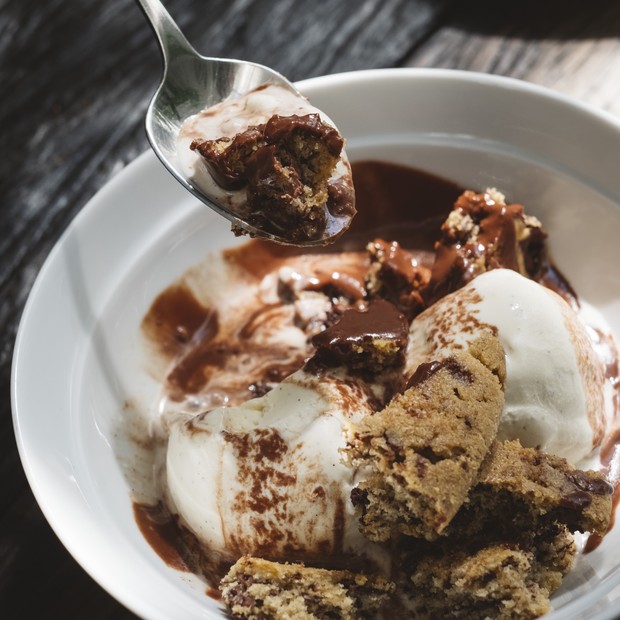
[[171, 40]]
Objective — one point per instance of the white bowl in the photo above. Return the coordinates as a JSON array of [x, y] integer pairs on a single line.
[[79, 358]]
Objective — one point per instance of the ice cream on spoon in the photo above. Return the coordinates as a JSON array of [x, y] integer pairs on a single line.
[[287, 164]]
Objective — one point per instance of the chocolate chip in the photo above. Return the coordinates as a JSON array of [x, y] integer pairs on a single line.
[[590, 484], [578, 500], [425, 371], [359, 498]]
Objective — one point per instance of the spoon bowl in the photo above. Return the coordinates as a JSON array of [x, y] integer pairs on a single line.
[[190, 83]]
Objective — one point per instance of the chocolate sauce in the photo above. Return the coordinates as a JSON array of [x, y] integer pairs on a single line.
[[248, 156], [278, 129], [425, 371], [398, 261], [610, 448], [174, 318], [340, 198], [213, 593], [594, 540], [380, 320], [398, 275], [190, 334], [553, 279], [340, 284], [189, 375], [177, 546], [399, 203], [161, 532], [223, 157], [343, 342], [610, 453], [485, 235], [413, 203]]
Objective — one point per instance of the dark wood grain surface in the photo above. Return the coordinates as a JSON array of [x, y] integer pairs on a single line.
[[76, 78]]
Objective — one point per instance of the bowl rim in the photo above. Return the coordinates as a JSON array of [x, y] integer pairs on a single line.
[[340, 80], [459, 75]]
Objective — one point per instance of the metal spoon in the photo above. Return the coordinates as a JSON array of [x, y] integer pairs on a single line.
[[190, 83]]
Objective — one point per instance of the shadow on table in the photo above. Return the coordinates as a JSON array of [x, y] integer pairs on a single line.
[[532, 19]]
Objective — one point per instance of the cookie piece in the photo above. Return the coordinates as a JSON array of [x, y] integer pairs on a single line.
[[259, 589], [510, 545], [425, 448], [285, 165], [396, 276], [491, 579], [520, 487], [482, 233], [367, 341]]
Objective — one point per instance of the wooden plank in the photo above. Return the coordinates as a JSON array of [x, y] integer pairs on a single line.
[[572, 47]]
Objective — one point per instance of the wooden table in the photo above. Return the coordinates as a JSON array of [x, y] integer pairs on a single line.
[[76, 78]]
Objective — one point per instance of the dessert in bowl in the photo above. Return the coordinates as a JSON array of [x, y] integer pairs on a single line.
[[475, 131]]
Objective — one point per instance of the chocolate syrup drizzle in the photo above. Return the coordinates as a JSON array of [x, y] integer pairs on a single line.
[[394, 202]]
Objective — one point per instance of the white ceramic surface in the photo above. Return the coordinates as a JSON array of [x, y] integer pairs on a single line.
[[79, 359]]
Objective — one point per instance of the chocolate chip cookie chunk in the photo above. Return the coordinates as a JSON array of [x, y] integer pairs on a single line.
[[424, 450], [258, 589]]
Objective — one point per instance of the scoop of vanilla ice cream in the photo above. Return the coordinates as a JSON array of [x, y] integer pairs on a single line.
[[266, 477], [554, 389]]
